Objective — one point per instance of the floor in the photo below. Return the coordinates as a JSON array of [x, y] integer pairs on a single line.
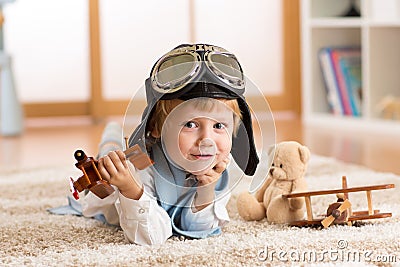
[[53, 142]]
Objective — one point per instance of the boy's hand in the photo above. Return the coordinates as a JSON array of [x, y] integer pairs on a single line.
[[114, 168], [212, 175]]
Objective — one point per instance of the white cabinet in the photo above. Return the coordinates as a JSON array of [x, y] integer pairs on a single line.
[[377, 32]]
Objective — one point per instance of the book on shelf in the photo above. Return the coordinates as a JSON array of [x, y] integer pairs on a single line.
[[331, 86], [341, 71]]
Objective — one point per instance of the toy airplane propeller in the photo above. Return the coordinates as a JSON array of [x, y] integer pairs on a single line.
[[336, 213]]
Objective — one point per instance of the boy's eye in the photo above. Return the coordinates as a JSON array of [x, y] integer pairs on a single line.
[[190, 124], [219, 125]]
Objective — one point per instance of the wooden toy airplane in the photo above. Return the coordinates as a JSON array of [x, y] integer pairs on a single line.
[[340, 212], [91, 178]]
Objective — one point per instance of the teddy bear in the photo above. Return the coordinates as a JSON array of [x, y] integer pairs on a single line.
[[285, 176]]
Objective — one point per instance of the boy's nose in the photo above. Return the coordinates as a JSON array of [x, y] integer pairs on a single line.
[[207, 146], [206, 142]]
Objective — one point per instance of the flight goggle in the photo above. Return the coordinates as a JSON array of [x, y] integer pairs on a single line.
[[185, 65]]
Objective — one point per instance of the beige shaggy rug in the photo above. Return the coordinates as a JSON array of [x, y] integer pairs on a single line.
[[30, 236]]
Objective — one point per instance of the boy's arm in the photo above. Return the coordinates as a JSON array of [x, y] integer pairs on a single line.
[[212, 216], [204, 210], [143, 221], [140, 216], [93, 205], [206, 185]]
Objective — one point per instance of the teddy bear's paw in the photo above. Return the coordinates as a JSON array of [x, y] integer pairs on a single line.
[[249, 208], [296, 203]]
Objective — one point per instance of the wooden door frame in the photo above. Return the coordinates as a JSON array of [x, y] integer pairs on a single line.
[[98, 107], [290, 99]]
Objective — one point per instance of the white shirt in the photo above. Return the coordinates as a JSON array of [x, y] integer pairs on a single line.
[[144, 222]]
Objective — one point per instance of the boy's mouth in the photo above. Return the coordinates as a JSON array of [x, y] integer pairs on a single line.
[[202, 157]]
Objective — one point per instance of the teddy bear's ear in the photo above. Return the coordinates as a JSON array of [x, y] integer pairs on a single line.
[[304, 153]]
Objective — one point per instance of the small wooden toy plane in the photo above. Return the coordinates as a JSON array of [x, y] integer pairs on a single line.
[[340, 212], [91, 178]]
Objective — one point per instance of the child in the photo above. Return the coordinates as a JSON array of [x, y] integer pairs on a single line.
[[196, 116]]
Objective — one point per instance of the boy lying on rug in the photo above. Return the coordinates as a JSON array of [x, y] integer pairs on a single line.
[[196, 116]]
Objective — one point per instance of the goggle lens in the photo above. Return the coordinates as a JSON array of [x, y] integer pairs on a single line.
[[167, 75], [226, 64]]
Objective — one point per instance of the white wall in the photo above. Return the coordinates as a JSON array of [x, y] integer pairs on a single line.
[[252, 30], [49, 42], [134, 34]]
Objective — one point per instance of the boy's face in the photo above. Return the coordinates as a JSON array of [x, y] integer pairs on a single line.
[[197, 138]]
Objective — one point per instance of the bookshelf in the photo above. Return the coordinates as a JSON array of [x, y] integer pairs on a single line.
[[377, 32]]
